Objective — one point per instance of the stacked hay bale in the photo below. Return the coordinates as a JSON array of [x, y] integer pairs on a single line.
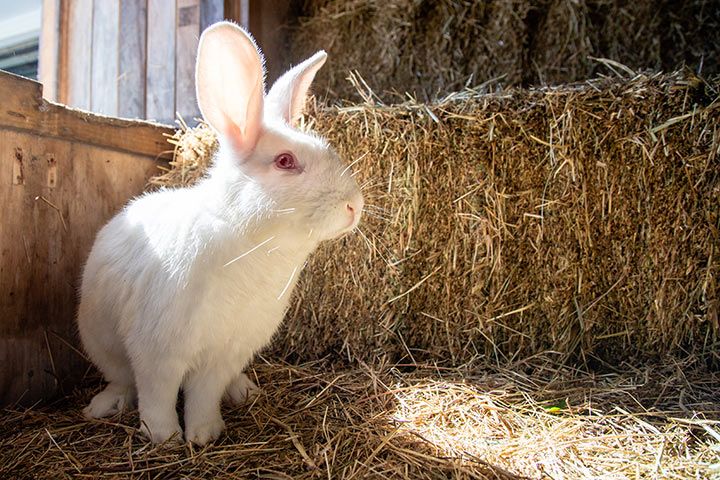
[[428, 47], [582, 219]]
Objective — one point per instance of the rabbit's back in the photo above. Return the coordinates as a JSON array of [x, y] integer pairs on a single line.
[[133, 267]]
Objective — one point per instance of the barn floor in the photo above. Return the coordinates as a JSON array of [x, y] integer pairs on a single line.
[[533, 420]]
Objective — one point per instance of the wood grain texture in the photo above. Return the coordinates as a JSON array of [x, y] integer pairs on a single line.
[[25, 109], [268, 20], [105, 46], [238, 11], [211, 11], [57, 189], [188, 33], [79, 55], [160, 75], [133, 37], [49, 54]]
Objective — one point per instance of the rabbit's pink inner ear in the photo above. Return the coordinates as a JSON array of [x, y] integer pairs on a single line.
[[230, 84], [288, 95]]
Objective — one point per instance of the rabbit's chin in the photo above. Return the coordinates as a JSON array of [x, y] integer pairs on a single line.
[[337, 233]]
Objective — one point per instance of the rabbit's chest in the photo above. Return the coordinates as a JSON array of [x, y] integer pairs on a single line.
[[242, 307]]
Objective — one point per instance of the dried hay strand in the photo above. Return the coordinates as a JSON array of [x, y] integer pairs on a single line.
[[440, 46], [582, 219], [530, 420]]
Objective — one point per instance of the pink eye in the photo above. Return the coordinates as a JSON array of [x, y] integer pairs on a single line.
[[285, 161]]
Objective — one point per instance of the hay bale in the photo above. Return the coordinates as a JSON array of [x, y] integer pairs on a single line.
[[581, 219], [424, 47]]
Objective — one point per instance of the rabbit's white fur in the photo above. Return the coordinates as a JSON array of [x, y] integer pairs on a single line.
[[165, 301]]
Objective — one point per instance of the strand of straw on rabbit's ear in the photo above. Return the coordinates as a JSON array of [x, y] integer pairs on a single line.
[[249, 251]]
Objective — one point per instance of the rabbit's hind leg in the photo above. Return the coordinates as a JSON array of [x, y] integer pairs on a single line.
[[241, 390], [116, 397], [110, 357], [120, 392]]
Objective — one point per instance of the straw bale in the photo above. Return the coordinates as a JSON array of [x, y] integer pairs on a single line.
[[433, 45], [424, 47], [529, 420], [581, 219]]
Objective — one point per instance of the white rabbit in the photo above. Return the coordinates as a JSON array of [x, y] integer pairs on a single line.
[[184, 285]]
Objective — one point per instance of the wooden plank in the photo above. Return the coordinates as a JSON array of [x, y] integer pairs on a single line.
[[64, 53], [105, 43], [211, 11], [79, 53], [268, 20], [160, 83], [188, 33], [49, 55], [48, 228], [131, 82], [238, 11], [25, 109], [26, 304]]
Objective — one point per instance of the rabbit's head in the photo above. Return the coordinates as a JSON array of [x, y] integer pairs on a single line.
[[294, 179]]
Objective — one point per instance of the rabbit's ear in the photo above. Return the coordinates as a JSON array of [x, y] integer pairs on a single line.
[[286, 99], [229, 78]]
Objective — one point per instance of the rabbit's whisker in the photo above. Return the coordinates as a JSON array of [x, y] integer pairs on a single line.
[[377, 211], [249, 251], [365, 239], [375, 207], [353, 163], [388, 252], [272, 250], [370, 184], [292, 275], [378, 215], [373, 248], [382, 215]]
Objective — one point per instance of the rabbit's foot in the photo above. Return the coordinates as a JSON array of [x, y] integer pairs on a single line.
[[205, 430], [158, 432], [113, 399], [241, 390]]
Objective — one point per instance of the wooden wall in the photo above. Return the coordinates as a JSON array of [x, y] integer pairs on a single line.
[[127, 58], [136, 58], [63, 174]]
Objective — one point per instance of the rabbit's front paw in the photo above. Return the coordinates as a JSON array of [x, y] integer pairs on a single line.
[[242, 389], [205, 430], [159, 432], [114, 399]]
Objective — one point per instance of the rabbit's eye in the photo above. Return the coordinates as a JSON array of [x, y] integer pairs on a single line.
[[285, 161]]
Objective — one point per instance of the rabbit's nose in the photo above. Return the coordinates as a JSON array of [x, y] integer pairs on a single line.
[[355, 204], [354, 208]]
